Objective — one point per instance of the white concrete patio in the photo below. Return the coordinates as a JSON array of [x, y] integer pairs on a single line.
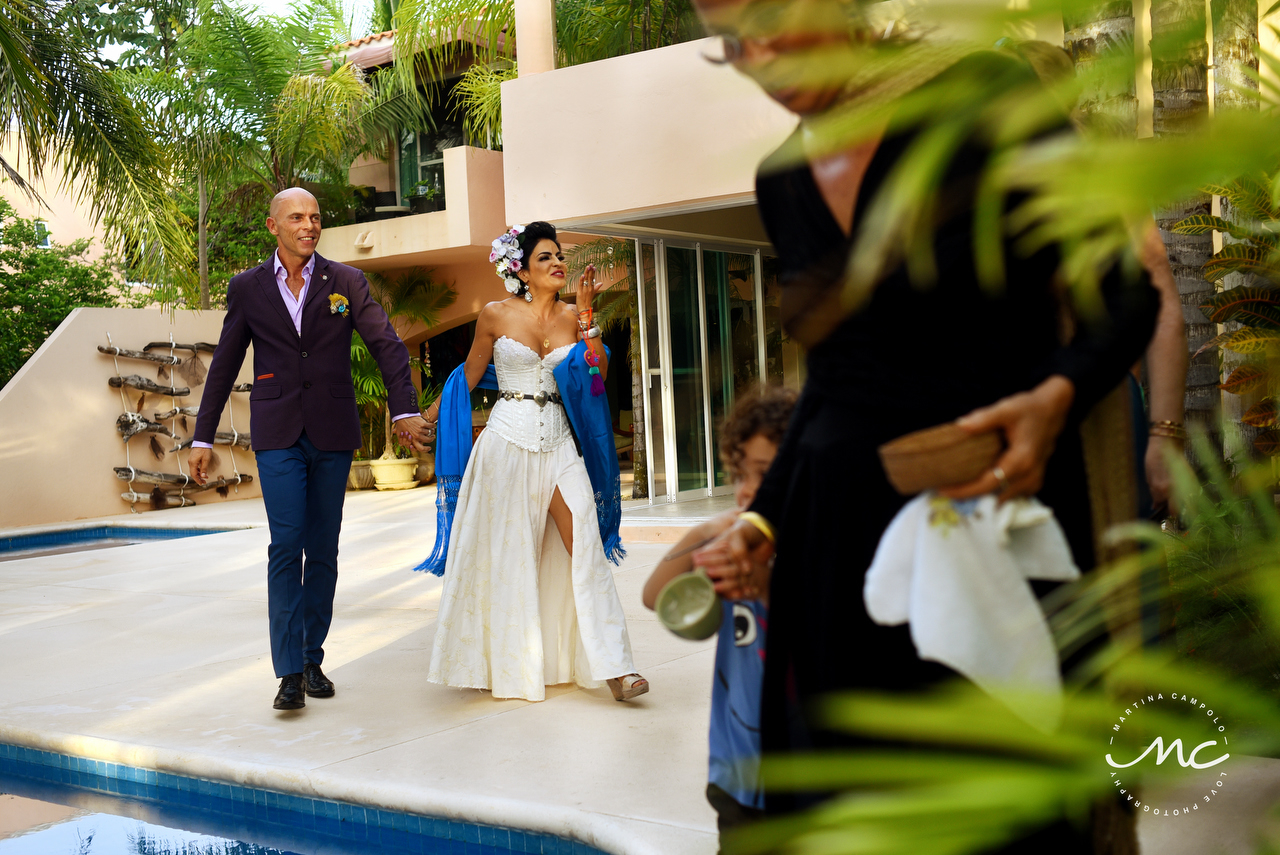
[[155, 655]]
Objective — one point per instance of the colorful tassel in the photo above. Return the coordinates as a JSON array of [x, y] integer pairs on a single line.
[[597, 382]]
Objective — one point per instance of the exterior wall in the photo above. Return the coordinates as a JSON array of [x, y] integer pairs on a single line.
[[369, 171], [68, 220], [657, 131], [58, 418], [476, 285]]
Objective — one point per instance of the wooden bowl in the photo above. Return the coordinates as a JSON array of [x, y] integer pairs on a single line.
[[941, 456]]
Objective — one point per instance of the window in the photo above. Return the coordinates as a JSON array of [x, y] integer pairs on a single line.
[[43, 235], [422, 160]]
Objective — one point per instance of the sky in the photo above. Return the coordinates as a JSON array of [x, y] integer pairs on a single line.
[[266, 7]]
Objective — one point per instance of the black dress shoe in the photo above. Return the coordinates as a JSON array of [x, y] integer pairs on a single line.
[[291, 695], [317, 684]]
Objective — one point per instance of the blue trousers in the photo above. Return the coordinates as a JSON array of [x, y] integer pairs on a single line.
[[303, 489]]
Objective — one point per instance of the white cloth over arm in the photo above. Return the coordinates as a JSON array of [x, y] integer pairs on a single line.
[[957, 573]]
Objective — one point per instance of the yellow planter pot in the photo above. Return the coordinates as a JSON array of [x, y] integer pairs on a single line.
[[394, 474], [361, 478]]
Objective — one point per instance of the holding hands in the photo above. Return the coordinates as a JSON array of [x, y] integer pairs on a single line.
[[414, 432]]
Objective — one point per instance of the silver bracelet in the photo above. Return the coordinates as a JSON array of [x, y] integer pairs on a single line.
[[594, 332]]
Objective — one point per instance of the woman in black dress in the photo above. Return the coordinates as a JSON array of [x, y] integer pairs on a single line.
[[909, 358]]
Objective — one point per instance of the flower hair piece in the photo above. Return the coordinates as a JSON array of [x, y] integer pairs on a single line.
[[506, 259]]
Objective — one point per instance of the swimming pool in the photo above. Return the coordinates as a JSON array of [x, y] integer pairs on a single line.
[[187, 816], [56, 541]]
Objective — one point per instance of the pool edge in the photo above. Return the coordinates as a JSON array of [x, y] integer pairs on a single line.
[[614, 835]]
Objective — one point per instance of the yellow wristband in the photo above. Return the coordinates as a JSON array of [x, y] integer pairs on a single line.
[[759, 522]]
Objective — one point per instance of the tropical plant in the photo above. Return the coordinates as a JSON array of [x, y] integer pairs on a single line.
[[590, 30], [1251, 310], [65, 111], [410, 297], [954, 771], [148, 30], [435, 36], [478, 96], [41, 282], [287, 111]]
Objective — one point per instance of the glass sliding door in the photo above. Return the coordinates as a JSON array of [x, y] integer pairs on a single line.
[[733, 352], [653, 347], [688, 404], [708, 336]]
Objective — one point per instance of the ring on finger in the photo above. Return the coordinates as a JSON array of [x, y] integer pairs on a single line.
[[1001, 478]]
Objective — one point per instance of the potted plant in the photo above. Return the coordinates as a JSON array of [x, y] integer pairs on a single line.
[[361, 477], [424, 199], [412, 297]]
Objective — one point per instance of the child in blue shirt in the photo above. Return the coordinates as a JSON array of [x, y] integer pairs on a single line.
[[749, 441]]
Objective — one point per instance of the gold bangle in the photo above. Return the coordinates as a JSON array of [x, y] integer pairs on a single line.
[[1169, 432], [759, 522]]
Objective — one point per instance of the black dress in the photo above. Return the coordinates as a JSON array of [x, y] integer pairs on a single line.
[[909, 359]]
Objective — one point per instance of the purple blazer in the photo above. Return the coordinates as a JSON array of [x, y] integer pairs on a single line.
[[302, 383]]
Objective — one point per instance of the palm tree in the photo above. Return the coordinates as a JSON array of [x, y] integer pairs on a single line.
[[66, 110], [287, 108], [1179, 79], [263, 97], [1103, 34], [434, 37]]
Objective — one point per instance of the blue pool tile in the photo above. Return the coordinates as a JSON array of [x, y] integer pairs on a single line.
[[471, 833], [330, 809]]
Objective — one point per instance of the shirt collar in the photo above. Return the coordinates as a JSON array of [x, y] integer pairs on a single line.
[[306, 268]]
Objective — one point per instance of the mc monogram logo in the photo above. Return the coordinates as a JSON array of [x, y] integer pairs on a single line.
[[1194, 721]]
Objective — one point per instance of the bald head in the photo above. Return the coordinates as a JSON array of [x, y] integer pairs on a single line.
[[289, 194], [294, 219]]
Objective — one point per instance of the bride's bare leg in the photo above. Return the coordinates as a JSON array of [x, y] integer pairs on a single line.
[[563, 518]]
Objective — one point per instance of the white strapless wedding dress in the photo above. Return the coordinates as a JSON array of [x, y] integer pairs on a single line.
[[516, 612]]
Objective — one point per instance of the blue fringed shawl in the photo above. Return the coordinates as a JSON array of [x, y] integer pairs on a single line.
[[589, 418], [453, 449]]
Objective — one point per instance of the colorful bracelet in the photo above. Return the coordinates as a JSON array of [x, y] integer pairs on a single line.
[[759, 522]]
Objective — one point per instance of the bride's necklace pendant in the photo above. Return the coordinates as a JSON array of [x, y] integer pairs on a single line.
[[546, 342]]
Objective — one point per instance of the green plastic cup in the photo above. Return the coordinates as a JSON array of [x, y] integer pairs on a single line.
[[689, 607]]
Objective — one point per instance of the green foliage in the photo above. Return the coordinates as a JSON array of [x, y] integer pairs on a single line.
[[281, 109], [478, 96], [39, 287], [149, 29], [410, 297], [610, 257], [955, 771], [66, 110], [1252, 310], [590, 30]]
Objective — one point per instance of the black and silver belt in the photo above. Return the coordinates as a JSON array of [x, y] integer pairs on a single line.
[[541, 398]]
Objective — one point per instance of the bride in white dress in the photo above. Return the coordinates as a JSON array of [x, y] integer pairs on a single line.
[[529, 598]]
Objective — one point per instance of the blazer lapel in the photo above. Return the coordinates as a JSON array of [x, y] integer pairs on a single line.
[[322, 283], [271, 291]]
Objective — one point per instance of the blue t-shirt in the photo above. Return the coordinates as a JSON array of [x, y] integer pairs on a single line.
[[735, 702]]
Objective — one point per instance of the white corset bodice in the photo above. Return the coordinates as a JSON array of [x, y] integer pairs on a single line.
[[524, 423]]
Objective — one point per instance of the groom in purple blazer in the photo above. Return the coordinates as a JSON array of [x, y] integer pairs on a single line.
[[299, 310]]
